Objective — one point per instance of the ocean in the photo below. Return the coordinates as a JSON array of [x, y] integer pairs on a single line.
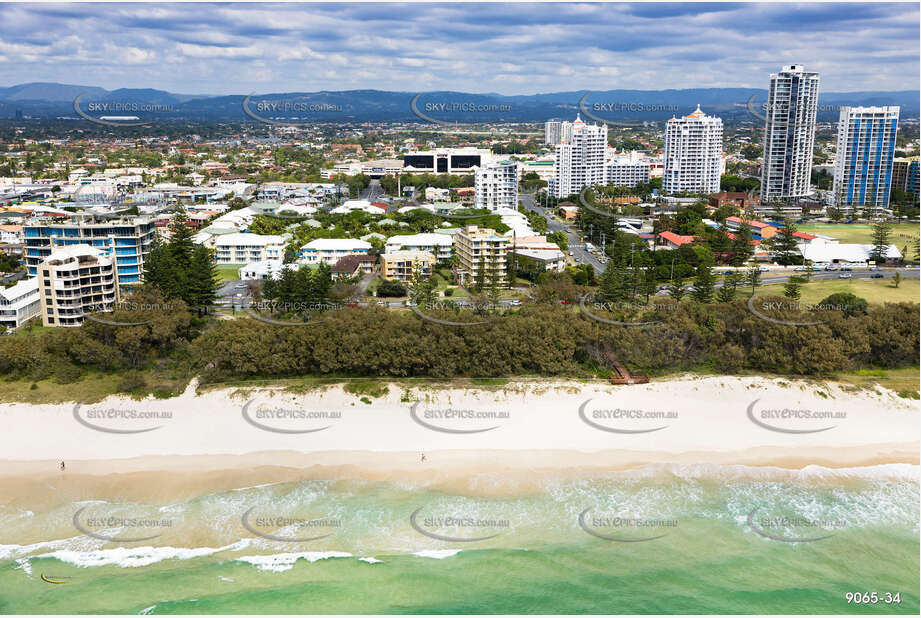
[[657, 539]]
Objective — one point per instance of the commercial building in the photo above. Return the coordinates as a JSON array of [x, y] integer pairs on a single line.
[[245, 248], [127, 239], [261, 270], [19, 303], [480, 250], [579, 163], [693, 154], [331, 250], [446, 160], [76, 280], [439, 245], [496, 185], [401, 265], [864, 156], [789, 134]]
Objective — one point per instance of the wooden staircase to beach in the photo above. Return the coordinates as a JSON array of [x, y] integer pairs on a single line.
[[621, 375]]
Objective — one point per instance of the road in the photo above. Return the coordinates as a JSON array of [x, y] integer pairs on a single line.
[[571, 231], [372, 192]]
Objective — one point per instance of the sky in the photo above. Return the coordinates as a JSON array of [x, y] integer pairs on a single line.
[[507, 48]]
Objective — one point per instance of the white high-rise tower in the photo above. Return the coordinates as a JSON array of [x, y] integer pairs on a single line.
[[789, 134], [580, 163], [693, 154]]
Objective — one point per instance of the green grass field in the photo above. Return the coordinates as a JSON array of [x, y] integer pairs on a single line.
[[874, 291], [229, 273], [862, 233]]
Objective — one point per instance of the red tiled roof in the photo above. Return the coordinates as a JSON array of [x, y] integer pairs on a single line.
[[804, 235], [676, 239], [757, 224]]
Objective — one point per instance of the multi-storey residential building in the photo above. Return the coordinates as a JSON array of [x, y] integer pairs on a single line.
[[693, 154], [496, 185], [580, 162], [401, 265], [19, 303], [127, 239], [439, 245], [626, 174], [789, 134], [446, 160], [331, 250], [557, 131], [74, 281], [480, 250], [245, 248], [864, 155], [905, 175]]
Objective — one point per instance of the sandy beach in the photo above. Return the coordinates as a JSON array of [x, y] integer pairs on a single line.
[[476, 440]]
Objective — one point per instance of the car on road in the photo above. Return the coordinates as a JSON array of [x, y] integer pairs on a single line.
[[763, 269], [571, 253], [514, 302], [846, 268], [578, 259], [877, 276], [726, 272], [845, 276], [873, 268], [382, 303], [831, 267], [240, 286]]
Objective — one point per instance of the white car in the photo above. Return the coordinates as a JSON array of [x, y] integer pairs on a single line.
[[845, 276]]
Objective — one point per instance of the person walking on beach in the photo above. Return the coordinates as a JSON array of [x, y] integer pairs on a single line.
[[423, 458], [62, 466]]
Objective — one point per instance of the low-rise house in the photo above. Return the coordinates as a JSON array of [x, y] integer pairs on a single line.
[[353, 266], [757, 229], [262, 270], [672, 240]]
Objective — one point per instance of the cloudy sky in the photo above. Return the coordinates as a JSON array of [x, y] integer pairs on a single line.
[[505, 48]]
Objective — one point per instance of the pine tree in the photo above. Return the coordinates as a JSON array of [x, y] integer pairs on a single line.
[[783, 245], [727, 292], [702, 290], [753, 277], [880, 250], [741, 246], [204, 280]]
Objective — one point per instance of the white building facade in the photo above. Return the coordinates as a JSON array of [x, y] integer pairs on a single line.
[[496, 185], [580, 163], [789, 134], [693, 154]]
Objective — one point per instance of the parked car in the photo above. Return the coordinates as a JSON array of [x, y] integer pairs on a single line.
[[831, 267], [877, 276], [763, 269], [382, 303], [846, 268], [874, 268], [515, 302], [845, 276]]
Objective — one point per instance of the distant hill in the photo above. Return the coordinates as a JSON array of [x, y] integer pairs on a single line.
[[48, 100]]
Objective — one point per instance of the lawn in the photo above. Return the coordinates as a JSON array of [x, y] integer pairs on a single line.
[[874, 291], [862, 233], [229, 273]]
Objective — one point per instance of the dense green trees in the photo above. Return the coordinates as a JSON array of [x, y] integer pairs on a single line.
[[181, 269]]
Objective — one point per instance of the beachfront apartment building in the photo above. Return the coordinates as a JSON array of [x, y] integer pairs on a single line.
[[401, 265], [19, 303], [481, 253], [246, 248], [557, 131], [331, 250], [693, 154], [623, 173], [864, 157], [496, 185], [439, 245], [579, 163], [76, 280], [905, 176], [789, 134], [127, 239]]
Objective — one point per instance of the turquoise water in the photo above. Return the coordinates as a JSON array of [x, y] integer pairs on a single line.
[[713, 554]]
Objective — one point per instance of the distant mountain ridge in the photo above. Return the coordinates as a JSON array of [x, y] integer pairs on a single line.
[[50, 100]]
